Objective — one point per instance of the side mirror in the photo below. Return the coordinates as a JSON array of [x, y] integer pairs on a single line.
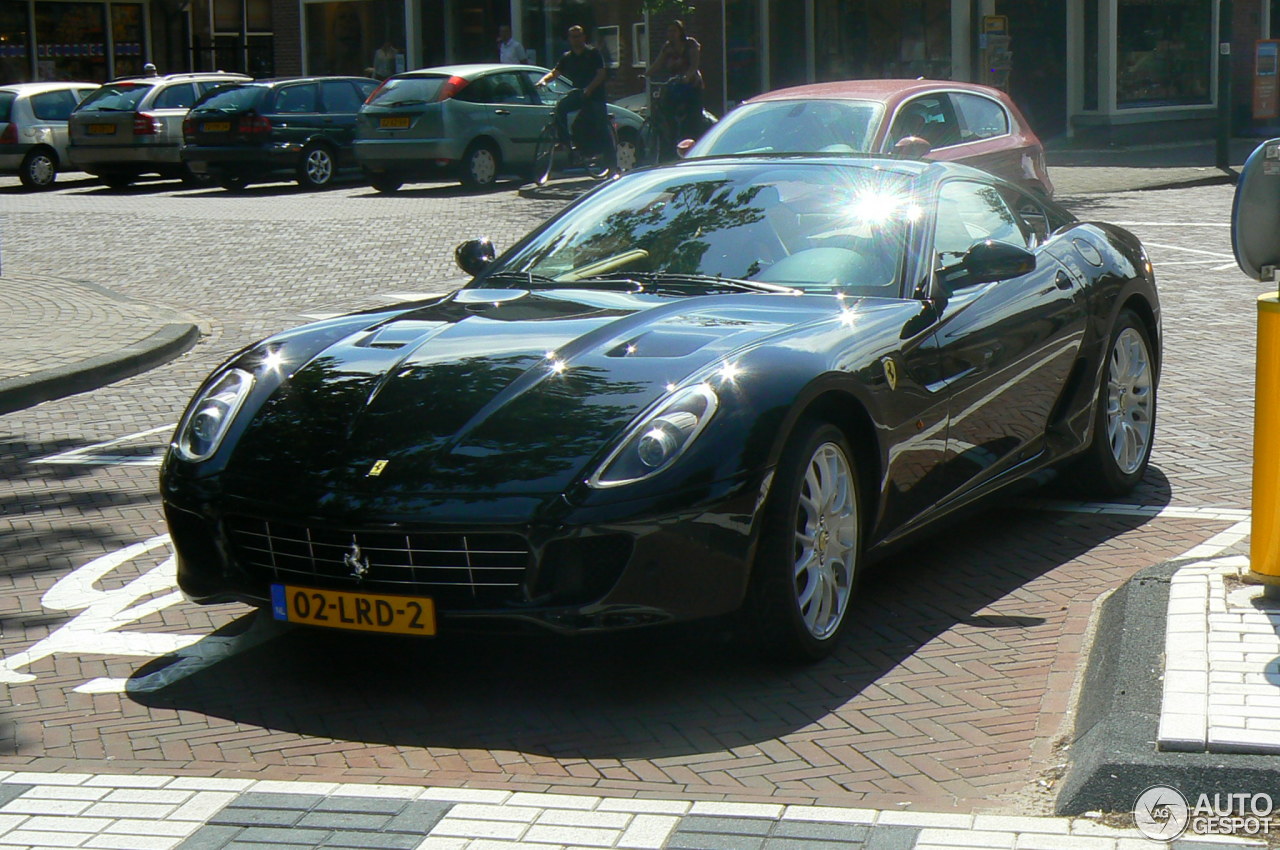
[[988, 261], [474, 255], [683, 146], [912, 147]]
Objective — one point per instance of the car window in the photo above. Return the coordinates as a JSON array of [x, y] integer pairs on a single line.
[[340, 96], [980, 117], [81, 94], [800, 126], [366, 87], [480, 90], [1031, 214], [6, 105], [117, 97], [508, 88], [553, 91], [178, 96], [970, 212], [928, 117], [53, 105], [408, 91], [296, 99], [232, 98]]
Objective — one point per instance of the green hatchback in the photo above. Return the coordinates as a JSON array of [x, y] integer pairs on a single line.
[[477, 122]]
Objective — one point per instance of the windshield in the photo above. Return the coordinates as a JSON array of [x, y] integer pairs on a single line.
[[793, 126], [808, 226], [122, 97], [231, 98], [407, 91]]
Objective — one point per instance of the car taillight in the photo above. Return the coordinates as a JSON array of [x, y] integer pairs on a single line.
[[375, 92], [10, 135], [255, 125], [451, 87], [145, 124], [188, 129]]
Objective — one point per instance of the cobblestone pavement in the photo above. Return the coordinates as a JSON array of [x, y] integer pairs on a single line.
[[951, 691]]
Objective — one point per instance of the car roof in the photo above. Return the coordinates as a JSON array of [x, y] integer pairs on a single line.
[[881, 90], [275, 81], [468, 71], [196, 76], [36, 88]]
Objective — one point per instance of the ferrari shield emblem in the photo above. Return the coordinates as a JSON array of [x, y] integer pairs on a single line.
[[890, 372], [376, 469]]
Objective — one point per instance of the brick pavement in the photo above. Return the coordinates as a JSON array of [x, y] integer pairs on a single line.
[[951, 691]]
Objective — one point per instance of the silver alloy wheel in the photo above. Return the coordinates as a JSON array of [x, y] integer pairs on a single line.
[[319, 167], [826, 541], [628, 156], [484, 167], [41, 169], [1129, 400]]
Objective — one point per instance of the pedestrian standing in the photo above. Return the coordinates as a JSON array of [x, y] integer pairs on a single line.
[[510, 51]]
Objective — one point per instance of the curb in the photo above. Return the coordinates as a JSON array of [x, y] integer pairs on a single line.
[[1113, 745], [49, 384]]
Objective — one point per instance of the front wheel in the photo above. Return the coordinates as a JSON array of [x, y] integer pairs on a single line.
[[316, 169], [117, 180], [233, 184], [479, 166], [544, 154], [386, 184], [39, 169], [809, 558], [1124, 413]]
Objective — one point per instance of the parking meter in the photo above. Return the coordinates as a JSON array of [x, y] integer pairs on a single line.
[[1255, 240]]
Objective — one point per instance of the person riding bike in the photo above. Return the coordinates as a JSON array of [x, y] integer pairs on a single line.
[[680, 57], [582, 66]]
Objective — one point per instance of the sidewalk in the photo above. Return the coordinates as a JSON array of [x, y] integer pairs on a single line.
[[63, 337], [141, 812]]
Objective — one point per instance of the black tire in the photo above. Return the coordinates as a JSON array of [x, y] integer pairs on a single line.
[[1124, 413], [385, 183], [39, 169], [603, 164], [544, 155], [479, 166], [317, 167], [191, 178], [778, 616], [234, 184], [117, 180]]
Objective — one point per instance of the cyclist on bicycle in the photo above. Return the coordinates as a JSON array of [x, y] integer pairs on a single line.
[[583, 67], [679, 57]]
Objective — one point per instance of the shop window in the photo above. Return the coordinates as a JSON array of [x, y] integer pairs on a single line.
[[71, 41], [15, 43], [1163, 52], [860, 39], [243, 37], [363, 38], [742, 50]]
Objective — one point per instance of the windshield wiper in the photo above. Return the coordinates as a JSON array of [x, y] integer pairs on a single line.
[[703, 280], [400, 103], [530, 279]]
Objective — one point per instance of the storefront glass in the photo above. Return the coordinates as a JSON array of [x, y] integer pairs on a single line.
[[1163, 52], [742, 54], [857, 39], [15, 43], [547, 21], [71, 41], [361, 37], [126, 38]]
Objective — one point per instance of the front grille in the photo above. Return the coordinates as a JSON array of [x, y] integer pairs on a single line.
[[469, 570]]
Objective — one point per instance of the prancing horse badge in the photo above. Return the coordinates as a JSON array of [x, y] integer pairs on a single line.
[[376, 469], [890, 372]]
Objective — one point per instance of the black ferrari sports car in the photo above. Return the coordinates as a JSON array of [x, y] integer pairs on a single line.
[[723, 385]]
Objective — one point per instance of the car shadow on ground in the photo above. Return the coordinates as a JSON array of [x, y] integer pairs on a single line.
[[662, 692], [63, 182], [442, 190]]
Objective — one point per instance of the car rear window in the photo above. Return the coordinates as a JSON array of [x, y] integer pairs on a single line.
[[6, 105], [232, 98], [53, 105], [408, 91], [117, 97]]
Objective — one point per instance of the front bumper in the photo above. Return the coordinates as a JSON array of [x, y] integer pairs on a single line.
[[608, 567]]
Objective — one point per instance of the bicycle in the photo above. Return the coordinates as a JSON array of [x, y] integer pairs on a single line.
[[598, 164], [662, 126]]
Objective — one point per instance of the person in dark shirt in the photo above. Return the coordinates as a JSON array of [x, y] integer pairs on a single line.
[[582, 66]]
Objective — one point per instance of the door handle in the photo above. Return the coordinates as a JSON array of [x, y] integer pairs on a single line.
[[501, 112], [1062, 281]]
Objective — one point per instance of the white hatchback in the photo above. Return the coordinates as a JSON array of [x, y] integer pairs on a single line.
[[33, 129]]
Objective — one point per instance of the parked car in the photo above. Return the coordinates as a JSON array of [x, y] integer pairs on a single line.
[[476, 122], [300, 128], [33, 129], [953, 122], [133, 126], [722, 383]]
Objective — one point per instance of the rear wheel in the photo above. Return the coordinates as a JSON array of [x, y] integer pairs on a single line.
[[191, 178], [807, 565], [386, 183], [233, 184], [39, 169], [1124, 413], [117, 180], [544, 154], [316, 169], [480, 165]]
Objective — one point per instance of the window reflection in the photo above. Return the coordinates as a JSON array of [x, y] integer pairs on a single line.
[[1163, 52]]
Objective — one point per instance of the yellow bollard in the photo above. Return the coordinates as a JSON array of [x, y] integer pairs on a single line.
[[1264, 535]]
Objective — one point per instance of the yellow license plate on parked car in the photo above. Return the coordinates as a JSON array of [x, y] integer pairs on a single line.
[[364, 612], [401, 123], [216, 126], [102, 129]]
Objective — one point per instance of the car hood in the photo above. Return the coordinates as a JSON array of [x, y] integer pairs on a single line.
[[494, 391]]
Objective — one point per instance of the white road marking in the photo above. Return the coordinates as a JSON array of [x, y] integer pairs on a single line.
[[1218, 254], [93, 455], [1155, 511], [1172, 223], [409, 296]]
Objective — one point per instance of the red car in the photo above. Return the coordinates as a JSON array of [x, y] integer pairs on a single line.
[[956, 122]]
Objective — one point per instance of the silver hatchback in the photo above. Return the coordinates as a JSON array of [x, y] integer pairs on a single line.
[[33, 129], [133, 126]]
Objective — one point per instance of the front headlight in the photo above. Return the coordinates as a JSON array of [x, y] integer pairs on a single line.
[[658, 439], [209, 416]]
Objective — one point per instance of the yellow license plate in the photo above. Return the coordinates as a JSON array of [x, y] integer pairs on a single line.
[[102, 129], [394, 123], [216, 126], [363, 612]]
